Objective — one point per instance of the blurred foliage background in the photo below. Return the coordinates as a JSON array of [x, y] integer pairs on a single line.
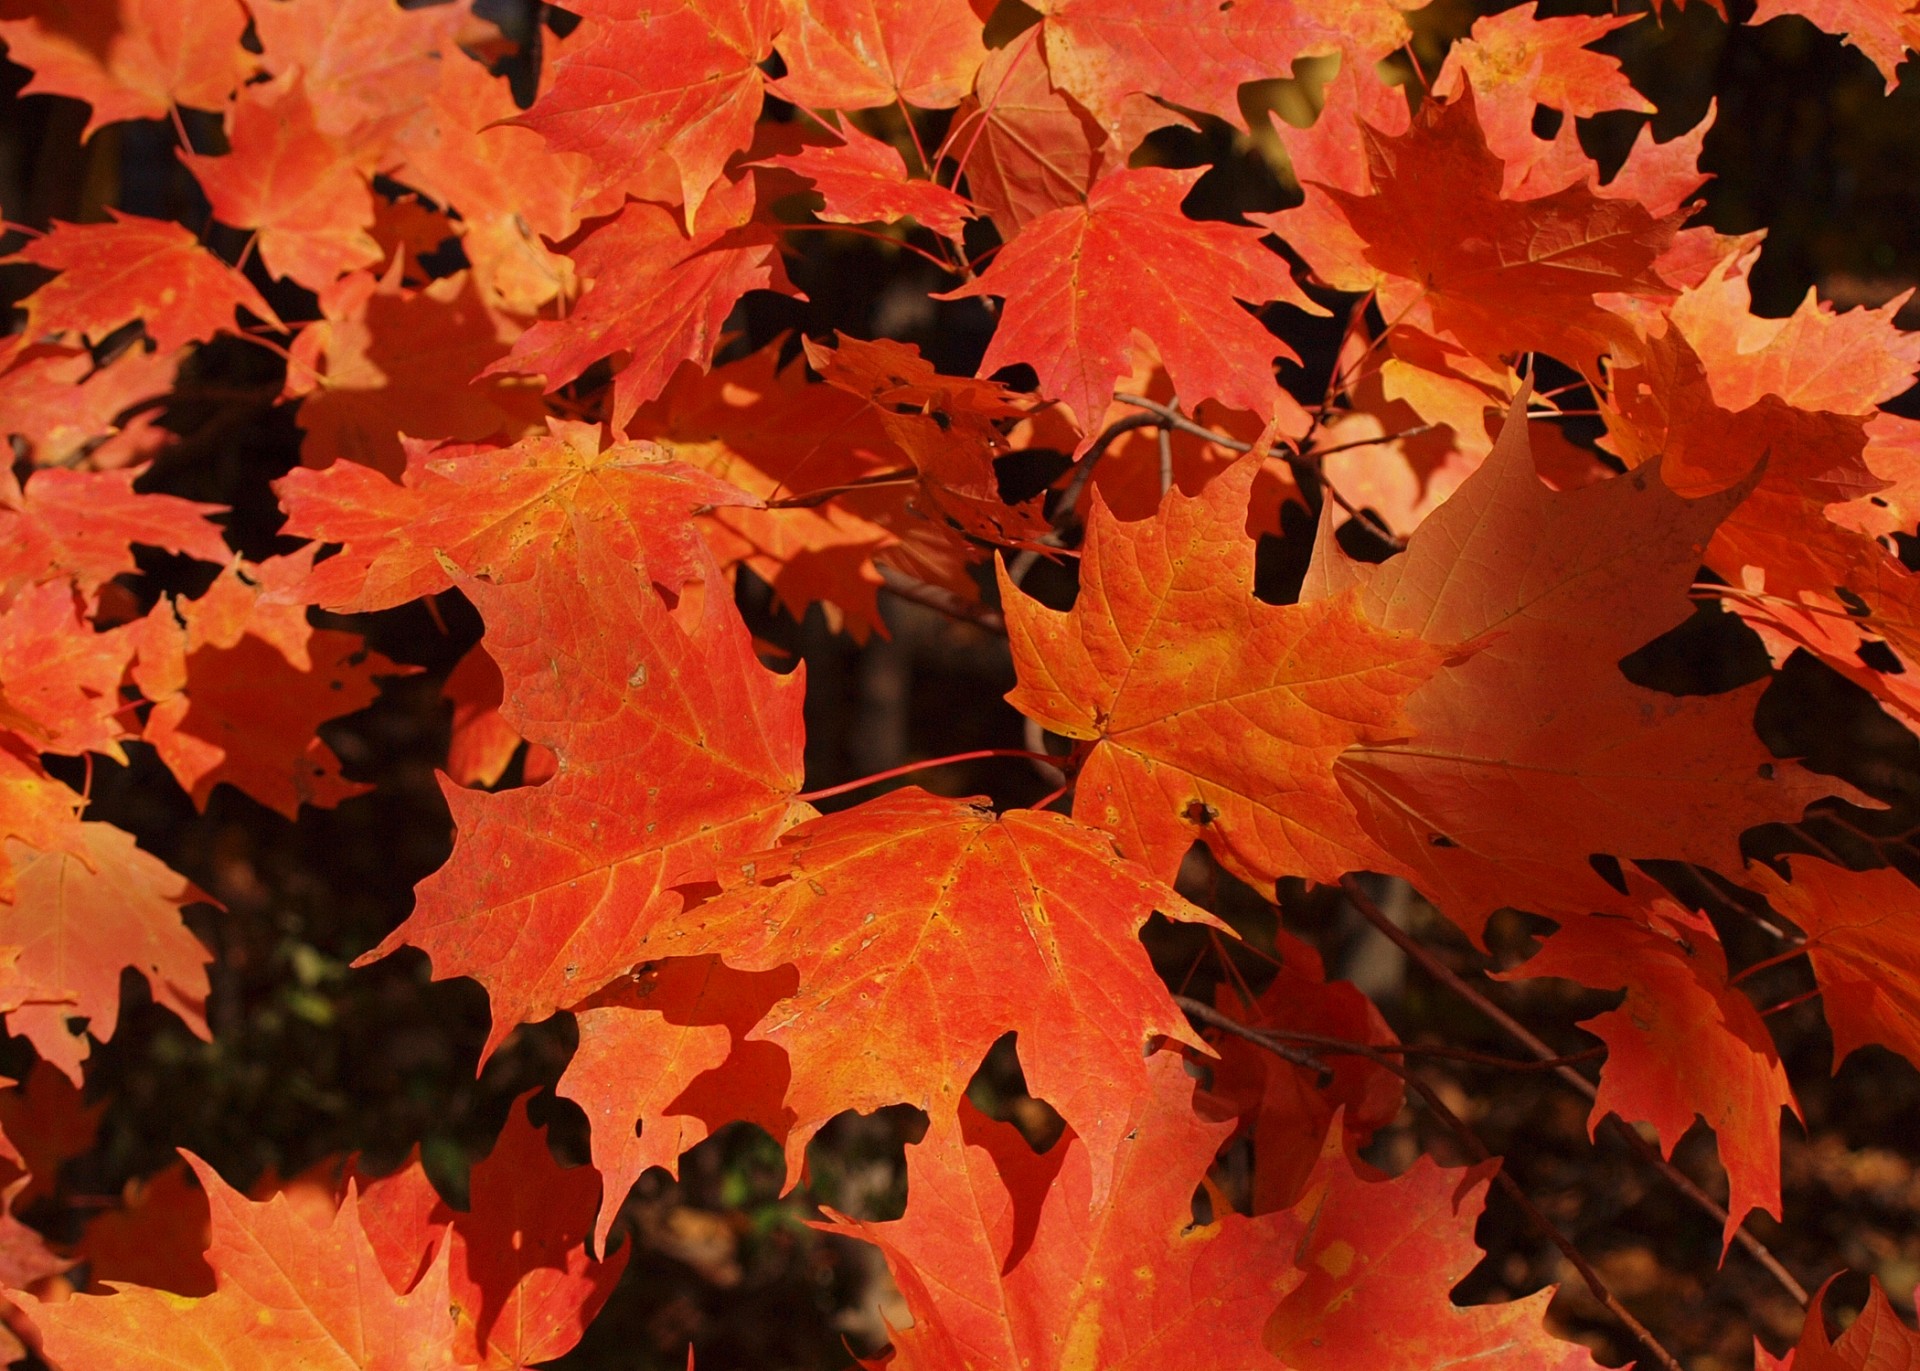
[[311, 1059]]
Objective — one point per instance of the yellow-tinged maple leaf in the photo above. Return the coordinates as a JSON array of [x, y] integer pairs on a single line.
[[1210, 715]]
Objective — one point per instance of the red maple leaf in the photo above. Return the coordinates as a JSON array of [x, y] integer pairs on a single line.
[[1079, 281], [132, 268]]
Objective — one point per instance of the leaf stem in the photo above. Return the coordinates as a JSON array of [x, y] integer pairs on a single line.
[[1766, 964], [910, 767]]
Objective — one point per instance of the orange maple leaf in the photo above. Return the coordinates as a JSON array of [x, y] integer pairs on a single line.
[[129, 59], [289, 1292], [152, 270], [1685, 1043], [291, 183], [1079, 281], [855, 54], [664, 1062], [551, 889], [669, 86], [1210, 715], [885, 907], [497, 512], [1538, 751]]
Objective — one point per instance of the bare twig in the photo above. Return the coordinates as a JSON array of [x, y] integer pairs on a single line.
[[1352, 1047], [942, 600], [1206, 1013], [1519, 1032], [1315, 454]]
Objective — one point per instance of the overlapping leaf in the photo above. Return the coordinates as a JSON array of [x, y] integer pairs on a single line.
[[1080, 280], [1212, 716], [499, 513], [1685, 1044], [887, 909], [677, 750], [1537, 752]]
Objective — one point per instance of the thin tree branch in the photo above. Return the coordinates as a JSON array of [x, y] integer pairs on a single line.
[[1173, 418], [1315, 454], [1353, 1047], [1519, 1032], [942, 600], [1207, 1014]]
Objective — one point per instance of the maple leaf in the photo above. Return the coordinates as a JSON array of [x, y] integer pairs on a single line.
[[35, 809], [129, 59], [946, 425], [1859, 942], [1079, 281], [855, 54], [1493, 274], [514, 194], [655, 294], [60, 404], [483, 744], [81, 913], [1887, 31], [864, 180], [1211, 716], [1817, 358], [764, 428], [1548, 63], [59, 677], [48, 1123], [522, 1283], [81, 525], [289, 1292], [157, 1237], [1685, 1043], [1877, 1340], [1009, 1259], [1537, 751], [1376, 1261], [681, 1027], [676, 750], [362, 382], [292, 184], [885, 907], [1104, 51], [134, 268], [1027, 147], [239, 685], [365, 63], [1286, 1108], [660, 83], [498, 513]]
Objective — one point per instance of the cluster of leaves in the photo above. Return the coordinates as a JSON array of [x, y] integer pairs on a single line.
[[552, 419]]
